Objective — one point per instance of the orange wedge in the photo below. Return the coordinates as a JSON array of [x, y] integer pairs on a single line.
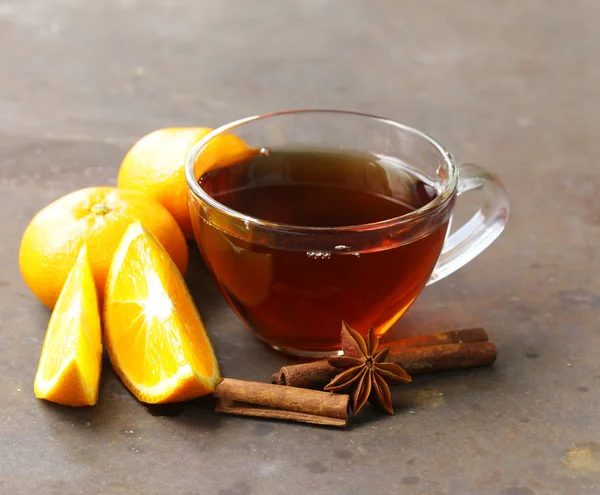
[[69, 368], [155, 337]]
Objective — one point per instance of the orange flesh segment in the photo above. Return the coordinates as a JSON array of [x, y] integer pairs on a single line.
[[156, 339], [71, 358]]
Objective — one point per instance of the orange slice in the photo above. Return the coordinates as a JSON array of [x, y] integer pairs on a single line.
[[71, 359], [155, 336]]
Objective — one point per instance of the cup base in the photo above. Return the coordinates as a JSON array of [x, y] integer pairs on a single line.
[[307, 354]]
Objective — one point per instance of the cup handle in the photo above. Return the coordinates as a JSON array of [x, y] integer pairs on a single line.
[[482, 229]]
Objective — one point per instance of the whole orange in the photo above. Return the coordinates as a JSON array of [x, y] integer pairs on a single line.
[[98, 217], [155, 166]]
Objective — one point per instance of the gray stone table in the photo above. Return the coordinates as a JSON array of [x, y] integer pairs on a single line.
[[513, 85]]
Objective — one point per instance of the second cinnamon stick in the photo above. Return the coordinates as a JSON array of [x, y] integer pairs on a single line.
[[429, 358], [274, 401], [465, 336]]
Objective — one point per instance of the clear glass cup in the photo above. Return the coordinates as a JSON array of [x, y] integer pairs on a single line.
[[293, 285]]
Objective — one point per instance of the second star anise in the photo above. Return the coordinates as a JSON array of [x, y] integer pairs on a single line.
[[366, 371]]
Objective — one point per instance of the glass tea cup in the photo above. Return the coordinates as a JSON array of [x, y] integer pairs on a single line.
[[294, 284]]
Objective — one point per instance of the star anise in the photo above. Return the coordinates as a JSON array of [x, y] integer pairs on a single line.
[[366, 371]]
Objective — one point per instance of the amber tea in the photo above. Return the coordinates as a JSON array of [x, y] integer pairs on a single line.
[[292, 292]]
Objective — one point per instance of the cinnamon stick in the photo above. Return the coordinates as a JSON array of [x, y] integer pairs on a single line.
[[427, 358], [443, 357], [468, 335], [313, 375], [275, 401]]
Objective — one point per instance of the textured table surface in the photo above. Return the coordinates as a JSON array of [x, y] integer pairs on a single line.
[[511, 85]]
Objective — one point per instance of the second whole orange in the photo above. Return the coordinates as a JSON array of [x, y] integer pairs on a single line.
[[155, 165]]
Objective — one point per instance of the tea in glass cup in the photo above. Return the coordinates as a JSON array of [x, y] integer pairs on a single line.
[[335, 217]]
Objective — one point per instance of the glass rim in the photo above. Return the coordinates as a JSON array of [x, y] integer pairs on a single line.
[[440, 200]]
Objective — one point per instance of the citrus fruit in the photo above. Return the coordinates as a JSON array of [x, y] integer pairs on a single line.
[[97, 216], [155, 166], [155, 336], [71, 359]]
